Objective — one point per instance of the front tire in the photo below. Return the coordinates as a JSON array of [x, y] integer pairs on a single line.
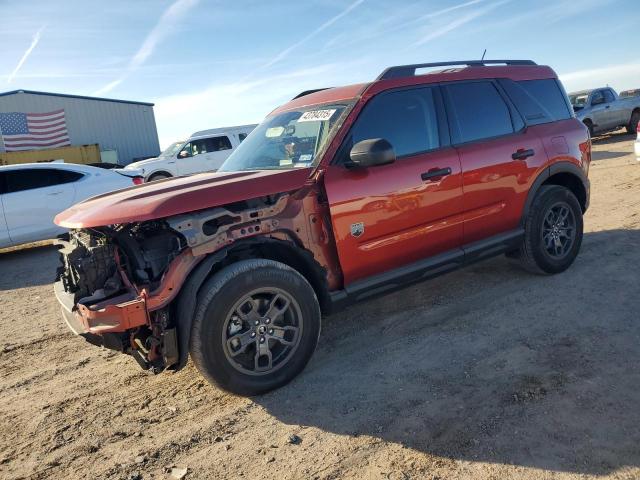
[[158, 176], [553, 231], [256, 325]]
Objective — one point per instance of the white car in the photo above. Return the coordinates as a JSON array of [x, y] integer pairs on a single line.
[[204, 151], [32, 194]]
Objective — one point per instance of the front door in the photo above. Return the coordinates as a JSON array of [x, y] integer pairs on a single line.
[[203, 155], [392, 215], [600, 112]]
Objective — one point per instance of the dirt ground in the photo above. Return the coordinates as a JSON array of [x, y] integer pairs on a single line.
[[485, 373]]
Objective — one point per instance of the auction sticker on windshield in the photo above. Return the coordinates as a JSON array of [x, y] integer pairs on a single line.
[[316, 115]]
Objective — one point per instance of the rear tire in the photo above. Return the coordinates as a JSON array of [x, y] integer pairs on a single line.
[[256, 325], [633, 123], [553, 231]]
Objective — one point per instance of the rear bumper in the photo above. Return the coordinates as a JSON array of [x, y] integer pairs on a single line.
[[115, 315]]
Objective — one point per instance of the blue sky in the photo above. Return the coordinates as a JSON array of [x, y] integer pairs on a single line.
[[208, 64]]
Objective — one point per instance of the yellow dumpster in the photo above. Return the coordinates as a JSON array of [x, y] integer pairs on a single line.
[[80, 154]]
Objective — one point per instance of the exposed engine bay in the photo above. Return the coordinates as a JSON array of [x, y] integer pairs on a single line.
[[91, 259], [118, 263]]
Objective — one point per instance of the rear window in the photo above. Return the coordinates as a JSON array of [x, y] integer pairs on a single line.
[[539, 101], [29, 179], [477, 111]]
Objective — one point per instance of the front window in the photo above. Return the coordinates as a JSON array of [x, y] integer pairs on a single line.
[[287, 140], [172, 149]]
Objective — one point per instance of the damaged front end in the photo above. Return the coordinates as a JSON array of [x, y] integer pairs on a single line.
[[117, 284], [111, 288]]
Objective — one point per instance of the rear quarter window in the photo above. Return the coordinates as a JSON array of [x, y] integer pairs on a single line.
[[539, 101]]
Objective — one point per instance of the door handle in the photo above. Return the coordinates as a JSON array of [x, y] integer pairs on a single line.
[[54, 193], [435, 174], [607, 106], [521, 154]]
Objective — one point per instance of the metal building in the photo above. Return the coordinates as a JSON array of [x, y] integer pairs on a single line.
[[127, 127]]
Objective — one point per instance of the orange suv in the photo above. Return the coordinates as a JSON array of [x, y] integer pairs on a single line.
[[339, 195]]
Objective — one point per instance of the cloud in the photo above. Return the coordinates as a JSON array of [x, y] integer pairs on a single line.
[[622, 77], [400, 20], [284, 53], [437, 13], [458, 21], [34, 42], [163, 28]]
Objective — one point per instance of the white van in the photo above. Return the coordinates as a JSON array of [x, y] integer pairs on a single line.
[[204, 151]]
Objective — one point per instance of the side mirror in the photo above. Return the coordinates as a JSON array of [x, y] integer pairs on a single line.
[[183, 154], [372, 152], [597, 100]]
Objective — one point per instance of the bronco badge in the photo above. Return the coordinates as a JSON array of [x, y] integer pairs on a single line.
[[357, 229]]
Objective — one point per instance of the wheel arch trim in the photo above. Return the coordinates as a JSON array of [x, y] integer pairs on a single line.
[[548, 173]]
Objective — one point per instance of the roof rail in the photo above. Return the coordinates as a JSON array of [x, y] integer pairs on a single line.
[[309, 92], [410, 70]]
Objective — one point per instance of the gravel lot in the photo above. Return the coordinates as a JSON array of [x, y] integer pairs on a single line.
[[488, 372]]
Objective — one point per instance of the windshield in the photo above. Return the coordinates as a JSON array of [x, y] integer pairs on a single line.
[[287, 140], [579, 99], [172, 149]]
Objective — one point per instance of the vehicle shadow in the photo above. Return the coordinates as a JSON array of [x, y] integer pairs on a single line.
[[489, 364], [614, 137], [28, 267]]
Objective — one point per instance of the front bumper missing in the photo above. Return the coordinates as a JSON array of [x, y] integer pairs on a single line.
[[115, 315]]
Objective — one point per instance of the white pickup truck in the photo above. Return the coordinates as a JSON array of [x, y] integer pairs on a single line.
[[601, 110], [204, 151]]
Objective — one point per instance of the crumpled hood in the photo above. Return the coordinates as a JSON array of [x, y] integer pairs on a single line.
[[174, 196]]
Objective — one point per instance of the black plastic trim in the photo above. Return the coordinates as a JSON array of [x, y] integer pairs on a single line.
[[424, 269], [186, 305], [546, 174]]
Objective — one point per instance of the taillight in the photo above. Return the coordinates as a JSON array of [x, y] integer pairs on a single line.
[[137, 180], [638, 128]]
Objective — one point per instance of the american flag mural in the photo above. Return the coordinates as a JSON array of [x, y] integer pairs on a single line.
[[31, 131]]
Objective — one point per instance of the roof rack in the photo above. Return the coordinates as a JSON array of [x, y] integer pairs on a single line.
[[410, 70], [309, 92]]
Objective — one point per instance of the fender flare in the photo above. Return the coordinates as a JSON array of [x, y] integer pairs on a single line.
[[546, 174], [186, 305]]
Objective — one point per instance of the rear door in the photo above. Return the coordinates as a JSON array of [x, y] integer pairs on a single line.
[[499, 156], [5, 240], [218, 150], [34, 197], [391, 215]]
